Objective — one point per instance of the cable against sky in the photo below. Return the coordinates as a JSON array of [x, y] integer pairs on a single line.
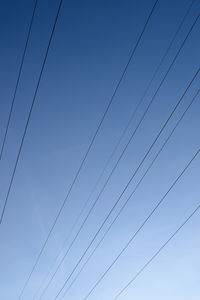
[[18, 79], [142, 225], [121, 137], [31, 109], [147, 153], [90, 145], [30, 112], [133, 192], [134, 132], [157, 253]]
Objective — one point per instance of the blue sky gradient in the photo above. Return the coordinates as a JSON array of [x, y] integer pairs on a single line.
[[92, 43]]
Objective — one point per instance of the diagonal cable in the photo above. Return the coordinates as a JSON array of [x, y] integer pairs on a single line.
[[157, 253], [18, 79], [112, 209], [141, 227], [90, 145], [122, 135], [29, 117], [132, 193]]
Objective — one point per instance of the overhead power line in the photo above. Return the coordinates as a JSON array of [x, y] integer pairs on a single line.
[[18, 79], [73, 241], [142, 225], [122, 135], [112, 209], [132, 193], [30, 113], [157, 253], [94, 137]]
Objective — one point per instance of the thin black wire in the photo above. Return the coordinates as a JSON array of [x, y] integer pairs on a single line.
[[90, 256], [151, 12], [94, 137], [30, 112], [18, 79], [156, 254], [93, 206], [133, 192], [79, 261], [29, 115], [135, 111], [124, 132], [140, 228]]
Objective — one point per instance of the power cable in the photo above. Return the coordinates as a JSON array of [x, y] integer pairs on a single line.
[[91, 143], [133, 192], [29, 115], [30, 112], [18, 79], [157, 253], [140, 228], [123, 134], [79, 261]]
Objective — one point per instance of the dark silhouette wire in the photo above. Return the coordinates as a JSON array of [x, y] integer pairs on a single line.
[[112, 209], [142, 225], [18, 79], [132, 193], [92, 141], [157, 253], [115, 166]]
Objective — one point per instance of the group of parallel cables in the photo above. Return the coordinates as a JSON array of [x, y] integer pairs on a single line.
[[90, 203]]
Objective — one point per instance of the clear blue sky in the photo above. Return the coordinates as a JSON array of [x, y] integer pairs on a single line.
[[92, 43]]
